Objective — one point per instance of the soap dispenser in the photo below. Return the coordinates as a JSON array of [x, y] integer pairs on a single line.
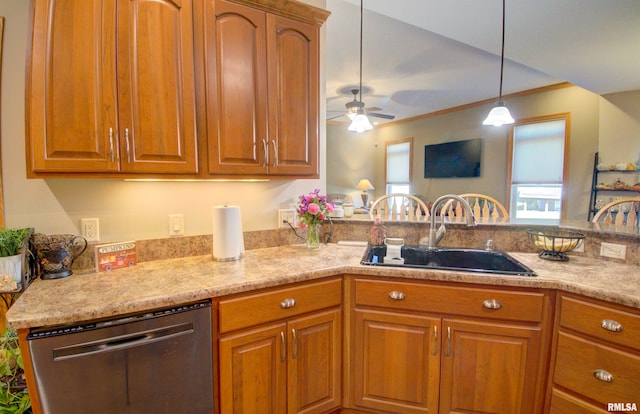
[[378, 232]]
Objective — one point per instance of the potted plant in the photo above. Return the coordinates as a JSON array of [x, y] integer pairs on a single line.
[[14, 397], [12, 251]]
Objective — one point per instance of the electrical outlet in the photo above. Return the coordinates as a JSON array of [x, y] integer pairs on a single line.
[[615, 251], [287, 215], [176, 224], [90, 229]]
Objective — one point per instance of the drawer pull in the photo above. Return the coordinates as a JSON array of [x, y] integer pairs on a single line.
[[491, 304], [603, 375], [397, 295], [611, 325], [288, 303], [283, 348]]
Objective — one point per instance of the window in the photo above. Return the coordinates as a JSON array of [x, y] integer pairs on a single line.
[[537, 174], [398, 162]]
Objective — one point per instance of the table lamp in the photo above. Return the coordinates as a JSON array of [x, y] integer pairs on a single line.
[[364, 185]]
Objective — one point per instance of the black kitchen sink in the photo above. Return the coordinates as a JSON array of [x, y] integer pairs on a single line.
[[468, 260]]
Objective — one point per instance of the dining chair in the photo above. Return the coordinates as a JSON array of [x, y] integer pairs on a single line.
[[482, 205], [399, 206], [621, 212]]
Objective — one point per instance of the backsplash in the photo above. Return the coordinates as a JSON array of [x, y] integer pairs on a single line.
[[507, 238]]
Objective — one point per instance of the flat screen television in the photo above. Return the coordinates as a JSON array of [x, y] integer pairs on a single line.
[[453, 159]]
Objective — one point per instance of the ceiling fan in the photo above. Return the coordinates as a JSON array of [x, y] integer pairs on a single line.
[[353, 106]]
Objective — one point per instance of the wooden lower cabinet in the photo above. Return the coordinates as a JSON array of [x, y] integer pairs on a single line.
[[292, 366], [407, 358], [596, 360], [489, 367], [397, 362]]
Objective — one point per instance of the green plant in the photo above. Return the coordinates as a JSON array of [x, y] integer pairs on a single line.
[[12, 240], [14, 397]]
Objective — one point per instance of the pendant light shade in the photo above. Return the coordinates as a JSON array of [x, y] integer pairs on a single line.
[[359, 121], [499, 114]]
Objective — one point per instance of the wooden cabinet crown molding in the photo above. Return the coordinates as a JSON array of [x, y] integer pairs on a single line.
[[289, 8]]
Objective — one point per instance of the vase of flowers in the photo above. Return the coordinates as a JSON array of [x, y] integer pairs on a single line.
[[312, 211]]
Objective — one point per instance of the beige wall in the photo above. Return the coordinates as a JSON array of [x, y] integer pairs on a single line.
[[127, 210], [594, 120]]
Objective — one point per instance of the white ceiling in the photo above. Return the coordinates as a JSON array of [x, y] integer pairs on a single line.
[[421, 56]]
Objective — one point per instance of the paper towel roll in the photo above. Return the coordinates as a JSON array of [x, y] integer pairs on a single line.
[[228, 243]]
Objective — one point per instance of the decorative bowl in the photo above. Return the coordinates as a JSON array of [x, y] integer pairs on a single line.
[[554, 244]]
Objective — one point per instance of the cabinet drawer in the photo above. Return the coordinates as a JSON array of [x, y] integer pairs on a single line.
[[254, 309], [562, 403], [509, 305], [577, 361], [588, 318]]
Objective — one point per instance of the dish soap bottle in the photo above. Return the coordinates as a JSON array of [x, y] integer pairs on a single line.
[[378, 232]]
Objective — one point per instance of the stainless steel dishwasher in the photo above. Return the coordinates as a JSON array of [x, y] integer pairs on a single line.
[[156, 362]]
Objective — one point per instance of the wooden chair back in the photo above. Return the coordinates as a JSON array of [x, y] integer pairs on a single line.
[[483, 206], [621, 212], [399, 206]]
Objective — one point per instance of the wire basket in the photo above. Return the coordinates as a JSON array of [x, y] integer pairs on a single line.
[[555, 244]]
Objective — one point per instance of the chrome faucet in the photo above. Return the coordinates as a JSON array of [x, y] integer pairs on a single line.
[[436, 235]]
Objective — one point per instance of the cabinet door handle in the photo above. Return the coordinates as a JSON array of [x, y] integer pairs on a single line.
[[397, 295], [275, 152], [283, 351], [265, 147], [448, 341], [126, 140], [288, 303], [111, 153], [611, 325], [294, 353], [603, 375], [492, 304], [435, 340]]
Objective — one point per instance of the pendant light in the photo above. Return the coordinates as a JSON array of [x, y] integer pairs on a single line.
[[499, 114], [360, 122]]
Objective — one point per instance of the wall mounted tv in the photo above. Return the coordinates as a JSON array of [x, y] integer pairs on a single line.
[[453, 159]]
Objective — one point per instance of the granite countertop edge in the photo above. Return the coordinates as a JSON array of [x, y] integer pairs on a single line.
[[88, 296]]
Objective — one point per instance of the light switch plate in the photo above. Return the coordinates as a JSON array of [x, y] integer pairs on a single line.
[[176, 224]]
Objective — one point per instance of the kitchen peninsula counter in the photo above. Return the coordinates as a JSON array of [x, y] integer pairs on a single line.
[[87, 296]]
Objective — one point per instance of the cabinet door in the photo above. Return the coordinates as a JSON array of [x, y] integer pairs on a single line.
[[236, 89], [314, 358], [293, 56], [156, 86], [489, 368], [253, 371], [397, 362], [71, 94]]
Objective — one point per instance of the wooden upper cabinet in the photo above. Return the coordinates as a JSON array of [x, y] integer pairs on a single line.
[[262, 92], [111, 87], [237, 90]]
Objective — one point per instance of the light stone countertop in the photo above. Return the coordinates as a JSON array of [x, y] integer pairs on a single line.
[[150, 285]]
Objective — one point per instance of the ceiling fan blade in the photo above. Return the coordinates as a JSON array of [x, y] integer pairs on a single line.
[[374, 108], [334, 117], [385, 116]]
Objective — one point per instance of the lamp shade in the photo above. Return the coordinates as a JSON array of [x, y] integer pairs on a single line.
[[360, 123], [364, 185], [498, 116]]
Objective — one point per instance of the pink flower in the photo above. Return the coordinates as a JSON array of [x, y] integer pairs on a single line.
[[330, 207], [313, 208]]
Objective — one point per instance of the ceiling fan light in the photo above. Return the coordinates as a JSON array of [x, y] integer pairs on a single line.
[[498, 116], [360, 123]]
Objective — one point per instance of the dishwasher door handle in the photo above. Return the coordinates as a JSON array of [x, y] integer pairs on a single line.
[[117, 343]]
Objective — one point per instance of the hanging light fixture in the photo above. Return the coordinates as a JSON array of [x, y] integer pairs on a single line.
[[360, 122], [499, 114]]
